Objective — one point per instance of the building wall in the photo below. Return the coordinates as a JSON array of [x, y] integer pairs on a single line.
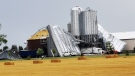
[[34, 44], [130, 44]]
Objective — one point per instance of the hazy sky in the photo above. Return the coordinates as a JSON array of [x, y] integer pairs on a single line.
[[20, 19]]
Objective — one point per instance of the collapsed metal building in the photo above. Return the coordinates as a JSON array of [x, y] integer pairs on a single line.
[[84, 26], [66, 44], [62, 42], [84, 35]]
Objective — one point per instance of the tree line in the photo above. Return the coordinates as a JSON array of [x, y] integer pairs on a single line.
[[3, 40]]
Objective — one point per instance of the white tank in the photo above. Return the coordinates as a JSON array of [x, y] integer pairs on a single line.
[[75, 12], [89, 22]]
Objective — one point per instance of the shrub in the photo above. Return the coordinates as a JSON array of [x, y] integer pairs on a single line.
[[127, 53], [28, 58], [53, 51], [82, 54], [40, 52], [134, 50], [109, 47]]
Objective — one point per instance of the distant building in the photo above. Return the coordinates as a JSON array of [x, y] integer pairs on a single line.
[[128, 37], [38, 40]]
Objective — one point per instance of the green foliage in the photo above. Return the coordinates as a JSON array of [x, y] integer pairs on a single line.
[[82, 54], [28, 58], [127, 53], [25, 48], [40, 52], [134, 50], [5, 47], [53, 51], [109, 46], [2, 38], [9, 53], [14, 47], [20, 48]]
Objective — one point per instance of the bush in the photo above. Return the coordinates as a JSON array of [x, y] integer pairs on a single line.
[[127, 53], [134, 50], [40, 52], [82, 54], [53, 51], [28, 58]]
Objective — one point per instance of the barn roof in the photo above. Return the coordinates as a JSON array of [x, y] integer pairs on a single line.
[[41, 34]]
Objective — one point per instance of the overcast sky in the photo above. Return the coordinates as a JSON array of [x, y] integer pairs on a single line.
[[20, 19]]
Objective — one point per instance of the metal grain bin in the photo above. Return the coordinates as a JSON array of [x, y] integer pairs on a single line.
[[88, 25], [75, 20]]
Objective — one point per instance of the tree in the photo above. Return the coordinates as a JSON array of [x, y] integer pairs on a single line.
[[2, 38], [20, 48], [109, 47], [134, 50], [5, 48], [25, 48], [127, 53], [14, 47], [40, 52], [53, 51]]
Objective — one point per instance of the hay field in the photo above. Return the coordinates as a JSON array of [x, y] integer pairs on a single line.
[[72, 67]]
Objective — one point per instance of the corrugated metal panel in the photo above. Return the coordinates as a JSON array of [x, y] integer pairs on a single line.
[[117, 43], [62, 41]]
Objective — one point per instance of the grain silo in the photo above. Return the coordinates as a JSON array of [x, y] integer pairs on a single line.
[[75, 12], [69, 27], [88, 25]]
